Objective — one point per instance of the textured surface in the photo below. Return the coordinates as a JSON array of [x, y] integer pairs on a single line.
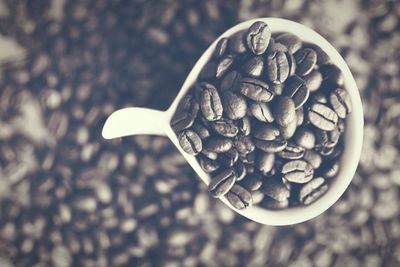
[[70, 198]]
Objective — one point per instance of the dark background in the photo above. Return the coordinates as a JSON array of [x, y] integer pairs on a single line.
[[70, 198]]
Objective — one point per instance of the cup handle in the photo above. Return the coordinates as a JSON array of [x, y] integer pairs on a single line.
[[134, 121]]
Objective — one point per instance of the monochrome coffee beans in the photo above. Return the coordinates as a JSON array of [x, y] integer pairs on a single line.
[[265, 120]]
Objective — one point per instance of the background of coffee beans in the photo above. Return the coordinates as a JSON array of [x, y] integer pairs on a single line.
[[69, 198]]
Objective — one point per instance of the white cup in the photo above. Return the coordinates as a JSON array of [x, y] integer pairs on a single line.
[[134, 121]]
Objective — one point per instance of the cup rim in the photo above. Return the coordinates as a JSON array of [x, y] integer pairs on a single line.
[[353, 132]]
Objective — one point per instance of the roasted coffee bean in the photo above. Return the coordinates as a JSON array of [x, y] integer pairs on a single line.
[[276, 88], [340, 101], [210, 104], [254, 67], [337, 151], [270, 146], [310, 191], [325, 151], [261, 112], [181, 121], [265, 162], [244, 125], [221, 47], [188, 104], [234, 105], [292, 64], [248, 158], [292, 151], [341, 126], [322, 57], [313, 158], [201, 130], [208, 165], [255, 89], [222, 183], [284, 110], [300, 116], [239, 197], [258, 37], [209, 154], [321, 116], [291, 41], [297, 171], [223, 65], [275, 188], [231, 80], [267, 132], [306, 59], [208, 71], [229, 158], [305, 137], [278, 68], [330, 169], [240, 170], [237, 43], [190, 142], [296, 88], [320, 98], [252, 182], [288, 131], [313, 80], [244, 144], [257, 196], [218, 144], [272, 204], [225, 127], [332, 74]]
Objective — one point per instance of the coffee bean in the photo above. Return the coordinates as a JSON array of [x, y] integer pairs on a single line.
[[248, 158], [272, 204], [332, 74], [188, 104], [275, 188], [209, 154], [265, 132], [181, 121], [310, 191], [313, 80], [252, 182], [210, 104], [337, 151], [218, 145], [265, 162], [244, 144], [300, 115], [202, 131], [297, 171], [255, 89], [221, 47], [222, 183], [261, 112], [325, 151], [305, 137], [258, 37], [257, 197], [271, 146], [284, 110], [229, 158], [292, 63], [208, 165], [236, 43], [341, 126], [190, 142], [291, 41], [208, 71], [276, 47], [320, 98], [240, 170], [254, 67], [321, 116], [234, 105], [244, 125], [341, 103], [306, 59], [288, 131], [330, 169], [231, 80], [239, 197], [296, 89], [313, 158], [225, 127], [322, 57], [292, 151], [277, 67], [223, 65], [277, 89]]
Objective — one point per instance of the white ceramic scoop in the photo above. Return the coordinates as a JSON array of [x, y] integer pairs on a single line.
[[135, 121]]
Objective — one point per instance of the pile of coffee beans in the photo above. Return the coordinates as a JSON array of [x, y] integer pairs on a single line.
[[265, 119]]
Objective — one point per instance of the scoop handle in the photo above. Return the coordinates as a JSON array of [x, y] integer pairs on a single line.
[[134, 121]]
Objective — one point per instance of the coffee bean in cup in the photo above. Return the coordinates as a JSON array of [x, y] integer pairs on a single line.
[[266, 119]]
